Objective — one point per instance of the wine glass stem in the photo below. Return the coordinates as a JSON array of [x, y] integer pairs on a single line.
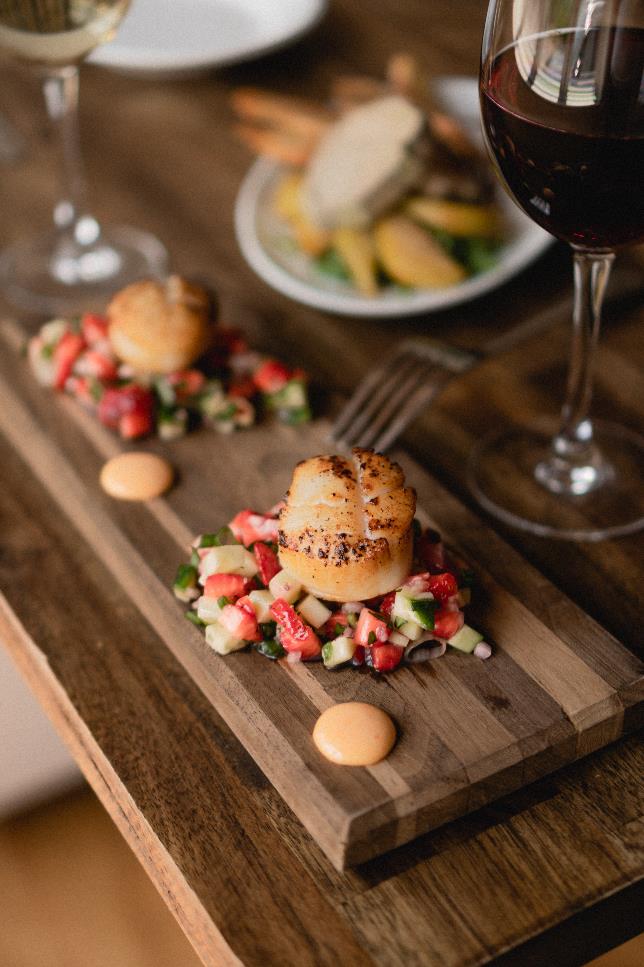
[[576, 467], [60, 88]]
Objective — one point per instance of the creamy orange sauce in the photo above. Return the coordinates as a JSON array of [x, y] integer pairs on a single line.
[[136, 476], [354, 734]]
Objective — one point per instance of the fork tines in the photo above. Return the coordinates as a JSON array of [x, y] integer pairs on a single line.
[[391, 394]]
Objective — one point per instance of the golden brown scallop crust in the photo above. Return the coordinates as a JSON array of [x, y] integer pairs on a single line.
[[160, 327], [345, 531]]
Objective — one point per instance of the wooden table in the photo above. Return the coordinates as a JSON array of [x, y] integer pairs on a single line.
[[547, 874]]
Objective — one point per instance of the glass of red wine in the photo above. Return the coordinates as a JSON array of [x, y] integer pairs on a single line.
[[562, 99]]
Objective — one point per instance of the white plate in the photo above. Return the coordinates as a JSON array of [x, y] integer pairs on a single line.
[[189, 35], [266, 244]]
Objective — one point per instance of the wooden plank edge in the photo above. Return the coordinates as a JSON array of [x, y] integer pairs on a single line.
[[181, 900]]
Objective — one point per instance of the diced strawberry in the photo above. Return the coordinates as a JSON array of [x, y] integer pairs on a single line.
[[358, 656], [227, 585], [186, 383], [248, 527], [242, 386], [430, 550], [240, 622], [136, 424], [110, 407], [95, 363], [370, 629], [271, 376], [387, 603], [443, 585], [295, 634], [384, 657], [67, 350], [447, 623], [83, 389], [330, 627], [228, 342], [117, 401], [267, 561], [94, 328]]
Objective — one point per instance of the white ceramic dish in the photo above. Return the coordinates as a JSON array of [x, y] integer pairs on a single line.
[[179, 36], [266, 244]]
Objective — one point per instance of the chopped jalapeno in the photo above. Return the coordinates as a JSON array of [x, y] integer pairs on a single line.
[[268, 629], [339, 629], [352, 620], [371, 640], [223, 601]]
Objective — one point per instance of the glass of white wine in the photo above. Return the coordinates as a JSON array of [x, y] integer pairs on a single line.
[[77, 264]]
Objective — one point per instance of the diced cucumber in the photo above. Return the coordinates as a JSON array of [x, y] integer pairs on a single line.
[[411, 630], [261, 602], [208, 610], [54, 330], [403, 607], [397, 638], [194, 619], [223, 537], [313, 611], [284, 585], [212, 399], [270, 648], [185, 583], [424, 609], [229, 559], [172, 426], [222, 641], [466, 639], [338, 651], [291, 397]]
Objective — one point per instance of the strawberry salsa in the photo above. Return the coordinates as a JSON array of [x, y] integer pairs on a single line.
[[240, 595], [226, 390]]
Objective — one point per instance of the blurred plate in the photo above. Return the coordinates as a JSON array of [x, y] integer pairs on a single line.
[[266, 243], [188, 35]]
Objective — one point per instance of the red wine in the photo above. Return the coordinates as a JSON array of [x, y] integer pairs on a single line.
[[564, 118]]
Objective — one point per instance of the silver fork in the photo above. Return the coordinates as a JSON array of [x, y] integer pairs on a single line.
[[389, 396]]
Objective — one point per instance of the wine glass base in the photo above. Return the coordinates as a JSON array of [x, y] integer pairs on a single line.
[[51, 274], [503, 477]]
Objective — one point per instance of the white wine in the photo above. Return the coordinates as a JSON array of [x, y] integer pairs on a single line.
[[57, 31]]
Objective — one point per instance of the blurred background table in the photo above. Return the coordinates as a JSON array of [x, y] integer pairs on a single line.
[[550, 873]]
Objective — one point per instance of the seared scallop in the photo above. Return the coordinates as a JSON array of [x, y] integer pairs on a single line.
[[345, 532]]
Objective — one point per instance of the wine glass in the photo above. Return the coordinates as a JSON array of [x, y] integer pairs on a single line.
[[562, 99], [80, 262]]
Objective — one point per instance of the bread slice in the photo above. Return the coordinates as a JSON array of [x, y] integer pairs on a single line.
[[346, 530]]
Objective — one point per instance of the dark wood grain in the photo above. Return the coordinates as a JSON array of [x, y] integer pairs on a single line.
[[459, 895], [467, 736]]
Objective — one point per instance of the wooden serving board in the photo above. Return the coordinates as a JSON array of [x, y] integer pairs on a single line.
[[557, 687]]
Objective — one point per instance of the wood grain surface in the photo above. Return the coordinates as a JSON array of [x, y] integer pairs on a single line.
[[214, 836], [557, 687]]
